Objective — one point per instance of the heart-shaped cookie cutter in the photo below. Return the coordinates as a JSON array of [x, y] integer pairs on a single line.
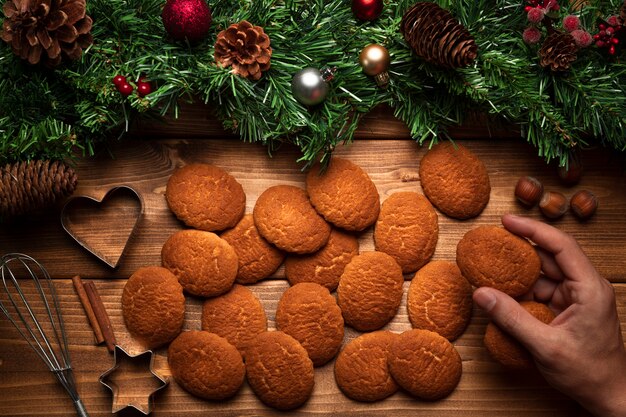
[[121, 355], [110, 261]]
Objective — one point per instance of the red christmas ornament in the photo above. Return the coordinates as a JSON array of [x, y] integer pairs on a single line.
[[367, 9], [144, 88], [119, 80], [125, 89], [190, 19]]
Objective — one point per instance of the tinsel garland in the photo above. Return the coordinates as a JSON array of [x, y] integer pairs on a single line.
[[48, 113]]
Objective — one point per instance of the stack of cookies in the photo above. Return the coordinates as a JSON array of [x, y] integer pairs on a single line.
[[314, 232]]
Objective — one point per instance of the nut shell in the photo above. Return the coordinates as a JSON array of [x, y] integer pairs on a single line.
[[528, 191], [553, 204], [583, 204]]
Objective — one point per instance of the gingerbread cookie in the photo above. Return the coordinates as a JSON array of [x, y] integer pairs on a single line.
[[279, 370], [344, 194], [238, 316], [361, 369], [284, 216], [308, 313], [204, 264], [490, 256], [325, 266], [455, 180], [508, 351], [407, 229], [425, 364], [206, 365], [440, 299], [370, 290], [258, 259], [153, 306], [205, 197]]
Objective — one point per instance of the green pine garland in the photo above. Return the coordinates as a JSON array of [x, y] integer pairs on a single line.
[[51, 114]]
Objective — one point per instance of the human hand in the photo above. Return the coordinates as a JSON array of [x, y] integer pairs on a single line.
[[580, 353]]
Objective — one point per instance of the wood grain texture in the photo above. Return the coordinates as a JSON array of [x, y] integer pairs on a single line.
[[392, 164], [28, 389], [486, 389], [199, 121]]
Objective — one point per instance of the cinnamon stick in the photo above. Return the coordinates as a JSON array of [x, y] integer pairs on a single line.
[[91, 316], [101, 315]]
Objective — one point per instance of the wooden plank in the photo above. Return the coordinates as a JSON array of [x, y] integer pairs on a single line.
[[199, 121], [392, 164], [486, 389]]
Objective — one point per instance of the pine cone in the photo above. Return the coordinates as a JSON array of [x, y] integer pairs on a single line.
[[29, 186], [246, 47], [558, 51], [40, 30], [435, 35]]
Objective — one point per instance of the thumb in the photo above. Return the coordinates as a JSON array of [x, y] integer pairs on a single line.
[[511, 317]]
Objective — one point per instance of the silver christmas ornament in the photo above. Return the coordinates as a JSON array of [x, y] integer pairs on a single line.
[[310, 85]]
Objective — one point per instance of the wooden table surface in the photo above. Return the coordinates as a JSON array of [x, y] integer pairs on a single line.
[[28, 389]]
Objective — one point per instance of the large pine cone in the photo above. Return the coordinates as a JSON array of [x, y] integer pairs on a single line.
[[246, 47], [44, 30], [435, 35], [29, 186], [558, 52]]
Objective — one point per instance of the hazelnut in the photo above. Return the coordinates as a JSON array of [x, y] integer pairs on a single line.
[[553, 204], [528, 191], [583, 204], [572, 174]]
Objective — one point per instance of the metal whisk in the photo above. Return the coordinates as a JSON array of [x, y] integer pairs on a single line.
[[40, 323]]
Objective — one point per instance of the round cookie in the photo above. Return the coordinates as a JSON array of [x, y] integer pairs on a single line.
[[455, 180], [279, 370], [425, 364], [325, 266], [308, 313], [258, 259], [237, 316], [370, 291], [407, 229], [206, 365], [490, 256], [361, 369], [508, 351], [153, 306], [204, 264], [344, 194], [205, 197], [440, 299], [284, 216]]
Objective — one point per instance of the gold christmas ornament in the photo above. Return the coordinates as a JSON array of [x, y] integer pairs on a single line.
[[246, 48], [45, 30], [375, 60]]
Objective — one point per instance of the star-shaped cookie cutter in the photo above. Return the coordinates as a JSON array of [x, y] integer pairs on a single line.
[[120, 355]]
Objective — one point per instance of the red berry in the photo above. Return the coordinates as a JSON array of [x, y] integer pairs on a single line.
[[600, 44], [602, 26], [612, 50], [596, 36], [527, 9], [125, 89], [119, 80], [610, 31], [143, 89], [615, 41]]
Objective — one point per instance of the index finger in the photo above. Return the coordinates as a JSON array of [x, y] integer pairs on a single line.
[[567, 253]]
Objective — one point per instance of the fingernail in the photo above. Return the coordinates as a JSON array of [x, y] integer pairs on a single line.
[[485, 299]]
